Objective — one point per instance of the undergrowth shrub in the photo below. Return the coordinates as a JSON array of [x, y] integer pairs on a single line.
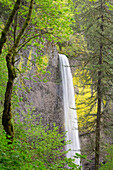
[[108, 160], [34, 148]]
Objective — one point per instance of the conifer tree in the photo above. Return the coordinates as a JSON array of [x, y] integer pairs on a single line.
[[96, 24]]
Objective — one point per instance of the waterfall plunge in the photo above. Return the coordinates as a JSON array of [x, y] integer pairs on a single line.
[[70, 116]]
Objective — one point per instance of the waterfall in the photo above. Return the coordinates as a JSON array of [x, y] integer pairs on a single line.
[[70, 116]]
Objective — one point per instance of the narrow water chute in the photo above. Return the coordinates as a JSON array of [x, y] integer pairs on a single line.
[[70, 116]]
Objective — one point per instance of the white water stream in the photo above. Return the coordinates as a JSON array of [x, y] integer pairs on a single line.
[[70, 116]]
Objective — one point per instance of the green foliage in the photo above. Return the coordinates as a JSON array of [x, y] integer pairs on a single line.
[[3, 82], [74, 47], [3, 76], [109, 5], [34, 147], [85, 102], [109, 160], [51, 18]]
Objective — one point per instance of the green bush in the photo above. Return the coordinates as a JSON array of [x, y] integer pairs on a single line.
[[35, 148], [109, 160]]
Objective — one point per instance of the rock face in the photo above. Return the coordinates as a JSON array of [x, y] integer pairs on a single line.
[[45, 97]]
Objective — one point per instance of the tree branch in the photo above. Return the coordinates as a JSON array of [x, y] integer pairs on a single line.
[[8, 24]]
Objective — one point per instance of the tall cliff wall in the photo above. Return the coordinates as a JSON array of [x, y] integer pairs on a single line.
[[44, 97]]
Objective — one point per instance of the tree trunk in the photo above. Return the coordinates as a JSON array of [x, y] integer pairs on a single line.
[[99, 96], [97, 142], [10, 59], [7, 115]]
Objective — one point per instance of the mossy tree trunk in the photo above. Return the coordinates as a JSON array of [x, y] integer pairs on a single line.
[[7, 115], [8, 24], [10, 59]]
